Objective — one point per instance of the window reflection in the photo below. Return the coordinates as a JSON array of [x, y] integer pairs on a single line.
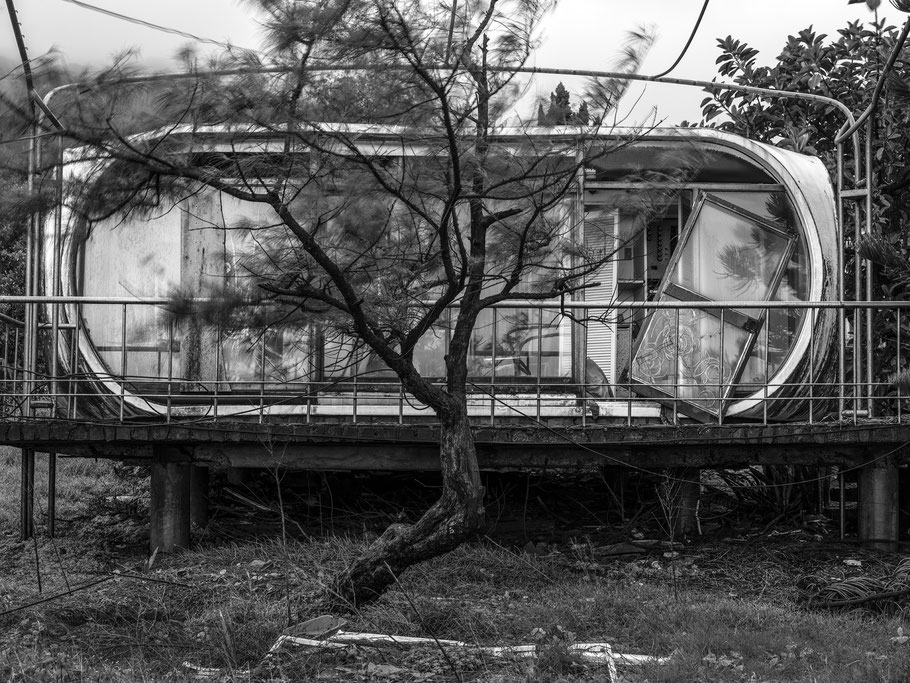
[[520, 343], [729, 257]]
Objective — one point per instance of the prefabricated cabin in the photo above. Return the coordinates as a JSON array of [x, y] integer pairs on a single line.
[[695, 220]]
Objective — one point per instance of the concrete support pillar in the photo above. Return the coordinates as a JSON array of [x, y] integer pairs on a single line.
[[878, 506], [169, 505], [199, 496], [688, 486]]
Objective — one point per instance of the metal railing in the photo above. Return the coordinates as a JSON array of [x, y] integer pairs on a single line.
[[13, 375], [797, 365]]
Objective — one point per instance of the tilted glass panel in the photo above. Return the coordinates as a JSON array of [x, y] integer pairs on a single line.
[[681, 352], [729, 257]]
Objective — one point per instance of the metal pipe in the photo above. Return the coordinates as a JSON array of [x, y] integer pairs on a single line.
[[857, 315], [811, 366], [629, 369], [540, 358], [354, 415], [27, 495], [262, 378], [847, 129], [839, 279], [676, 372], [51, 494], [218, 333], [767, 373], [857, 280], [31, 243], [868, 264], [515, 304], [122, 359], [841, 503], [721, 386], [75, 361], [18, 376], [170, 366], [55, 275], [493, 375], [898, 362]]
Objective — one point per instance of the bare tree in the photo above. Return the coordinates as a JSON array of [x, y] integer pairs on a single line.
[[392, 201]]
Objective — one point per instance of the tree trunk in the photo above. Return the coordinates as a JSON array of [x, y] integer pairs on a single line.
[[455, 517]]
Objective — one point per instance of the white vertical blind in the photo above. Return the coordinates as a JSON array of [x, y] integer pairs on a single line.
[[600, 242]]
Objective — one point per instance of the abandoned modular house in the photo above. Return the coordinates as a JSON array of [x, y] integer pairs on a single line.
[[726, 220], [715, 331]]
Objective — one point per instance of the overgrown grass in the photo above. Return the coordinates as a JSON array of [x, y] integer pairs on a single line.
[[224, 606], [81, 482], [739, 617]]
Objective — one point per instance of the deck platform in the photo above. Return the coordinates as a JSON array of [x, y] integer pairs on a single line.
[[335, 446]]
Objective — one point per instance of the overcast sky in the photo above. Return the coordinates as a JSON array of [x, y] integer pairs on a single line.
[[582, 34]]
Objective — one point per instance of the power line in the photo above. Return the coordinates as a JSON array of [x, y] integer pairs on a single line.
[[157, 27], [688, 42]]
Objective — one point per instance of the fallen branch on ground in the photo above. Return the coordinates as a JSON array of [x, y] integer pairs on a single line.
[[595, 653]]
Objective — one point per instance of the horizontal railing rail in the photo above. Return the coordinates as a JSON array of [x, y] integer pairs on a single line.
[[167, 303]]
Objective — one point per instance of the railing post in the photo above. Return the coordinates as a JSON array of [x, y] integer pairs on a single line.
[[170, 369], [123, 359], [839, 285], [898, 363], [676, 372], [869, 273], [218, 341], [493, 371], [27, 495], [767, 375], [51, 494], [262, 379], [721, 387], [812, 317], [74, 362], [540, 359], [628, 369], [354, 411]]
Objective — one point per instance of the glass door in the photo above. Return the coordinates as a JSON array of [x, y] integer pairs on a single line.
[[693, 357]]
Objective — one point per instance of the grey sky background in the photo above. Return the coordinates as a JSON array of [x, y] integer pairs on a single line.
[[580, 34]]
